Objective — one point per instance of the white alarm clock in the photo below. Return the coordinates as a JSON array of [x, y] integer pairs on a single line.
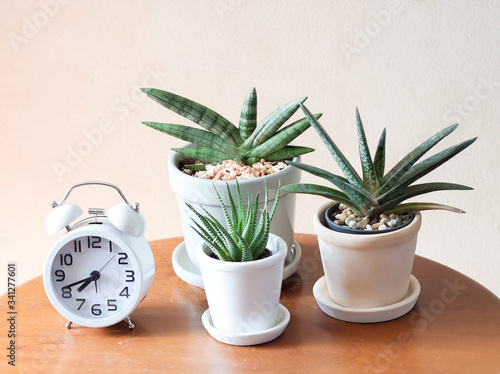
[[96, 274]]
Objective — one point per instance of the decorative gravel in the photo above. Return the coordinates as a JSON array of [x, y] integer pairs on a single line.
[[230, 170], [345, 217]]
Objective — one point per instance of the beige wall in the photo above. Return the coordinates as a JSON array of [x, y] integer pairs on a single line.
[[71, 109]]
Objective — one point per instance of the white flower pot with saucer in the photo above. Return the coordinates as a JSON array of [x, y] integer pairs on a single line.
[[243, 297]]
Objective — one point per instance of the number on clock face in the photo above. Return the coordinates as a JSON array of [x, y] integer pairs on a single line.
[[93, 277]]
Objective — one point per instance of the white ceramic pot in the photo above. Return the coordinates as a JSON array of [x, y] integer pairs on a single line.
[[200, 192], [243, 297], [367, 271]]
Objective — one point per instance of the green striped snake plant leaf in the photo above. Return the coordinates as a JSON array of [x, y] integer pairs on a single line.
[[376, 192], [221, 140], [247, 233]]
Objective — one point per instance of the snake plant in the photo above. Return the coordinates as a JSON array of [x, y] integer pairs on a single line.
[[245, 237], [377, 192], [221, 140]]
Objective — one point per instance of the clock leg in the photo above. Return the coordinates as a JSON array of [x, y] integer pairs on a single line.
[[130, 324], [68, 325]]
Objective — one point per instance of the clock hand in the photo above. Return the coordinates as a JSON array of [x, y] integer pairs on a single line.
[[88, 279], [106, 264], [82, 287], [98, 273], [94, 276]]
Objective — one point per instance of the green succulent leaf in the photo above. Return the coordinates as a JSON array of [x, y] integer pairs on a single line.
[[329, 193], [275, 205], [356, 195], [424, 167], [270, 125], [210, 232], [219, 251], [250, 220], [197, 113], [370, 181], [389, 201], [281, 139], [226, 239], [246, 251], [346, 167], [248, 117], [231, 225], [413, 207], [379, 160], [288, 152], [204, 154], [232, 243], [196, 167], [398, 171], [196, 136], [240, 212], [259, 241]]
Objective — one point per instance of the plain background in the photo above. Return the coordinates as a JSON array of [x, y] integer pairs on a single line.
[[71, 109]]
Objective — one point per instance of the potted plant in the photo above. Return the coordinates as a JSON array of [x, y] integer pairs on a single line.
[[230, 147], [367, 251], [242, 267]]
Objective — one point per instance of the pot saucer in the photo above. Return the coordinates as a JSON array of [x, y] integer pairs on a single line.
[[189, 273], [248, 338], [367, 315]]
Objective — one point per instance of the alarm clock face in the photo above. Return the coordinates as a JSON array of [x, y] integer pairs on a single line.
[[93, 280]]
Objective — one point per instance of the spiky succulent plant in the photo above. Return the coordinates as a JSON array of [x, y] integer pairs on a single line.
[[377, 192], [221, 140], [246, 235]]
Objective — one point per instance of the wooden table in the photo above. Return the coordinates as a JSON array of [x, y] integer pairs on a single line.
[[454, 328]]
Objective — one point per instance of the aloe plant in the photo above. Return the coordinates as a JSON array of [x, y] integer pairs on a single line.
[[246, 235], [221, 140], [377, 192]]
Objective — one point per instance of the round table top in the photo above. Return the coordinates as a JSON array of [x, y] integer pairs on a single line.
[[453, 328]]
